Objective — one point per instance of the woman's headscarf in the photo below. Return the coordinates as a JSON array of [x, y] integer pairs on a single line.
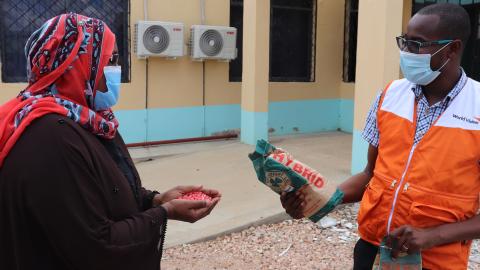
[[65, 61]]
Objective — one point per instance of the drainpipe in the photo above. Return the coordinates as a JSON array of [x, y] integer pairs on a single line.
[[204, 92], [198, 139]]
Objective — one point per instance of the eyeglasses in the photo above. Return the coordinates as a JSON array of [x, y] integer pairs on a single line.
[[113, 61], [414, 46]]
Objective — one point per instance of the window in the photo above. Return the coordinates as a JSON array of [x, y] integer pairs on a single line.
[[350, 48], [471, 56], [19, 18], [236, 20], [292, 40]]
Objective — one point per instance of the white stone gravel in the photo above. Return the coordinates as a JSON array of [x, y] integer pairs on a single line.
[[291, 244]]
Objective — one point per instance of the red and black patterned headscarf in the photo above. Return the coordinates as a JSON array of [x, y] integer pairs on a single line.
[[65, 61]]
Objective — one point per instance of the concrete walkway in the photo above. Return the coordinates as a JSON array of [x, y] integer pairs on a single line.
[[224, 165]]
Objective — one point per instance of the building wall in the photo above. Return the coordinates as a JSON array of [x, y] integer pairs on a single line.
[[173, 99], [378, 61]]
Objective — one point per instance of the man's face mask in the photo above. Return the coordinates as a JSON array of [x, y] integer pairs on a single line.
[[416, 67], [105, 100]]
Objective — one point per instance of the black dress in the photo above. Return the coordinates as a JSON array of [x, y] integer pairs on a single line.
[[69, 200]]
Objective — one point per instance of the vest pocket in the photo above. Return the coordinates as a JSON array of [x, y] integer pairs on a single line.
[[440, 203], [450, 256], [367, 220], [425, 216]]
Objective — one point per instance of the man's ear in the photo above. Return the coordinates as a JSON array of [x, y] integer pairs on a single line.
[[456, 48]]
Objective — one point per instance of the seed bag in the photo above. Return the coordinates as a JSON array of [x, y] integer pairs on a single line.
[[282, 173], [404, 261]]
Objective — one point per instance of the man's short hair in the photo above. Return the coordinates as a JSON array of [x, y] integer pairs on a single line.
[[454, 20]]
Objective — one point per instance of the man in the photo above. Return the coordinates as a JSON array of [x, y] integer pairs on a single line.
[[421, 184]]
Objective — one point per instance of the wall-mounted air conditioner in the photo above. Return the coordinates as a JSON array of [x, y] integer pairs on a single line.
[[160, 39], [213, 42]]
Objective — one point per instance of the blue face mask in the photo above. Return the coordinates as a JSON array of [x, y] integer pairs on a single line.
[[105, 100], [416, 67]]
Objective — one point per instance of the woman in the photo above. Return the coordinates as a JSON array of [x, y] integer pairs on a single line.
[[70, 196]]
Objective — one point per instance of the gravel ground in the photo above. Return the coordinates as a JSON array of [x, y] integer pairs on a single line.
[[292, 244]]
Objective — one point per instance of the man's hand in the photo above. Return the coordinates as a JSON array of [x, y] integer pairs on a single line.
[[294, 204], [410, 240], [189, 211], [354, 187], [179, 191]]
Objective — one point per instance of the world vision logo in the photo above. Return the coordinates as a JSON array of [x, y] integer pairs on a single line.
[[468, 120]]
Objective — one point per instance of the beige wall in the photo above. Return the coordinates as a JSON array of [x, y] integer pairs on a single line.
[[347, 90], [10, 90], [328, 63], [133, 93], [255, 67], [328, 60], [218, 89], [377, 53], [407, 13], [178, 83]]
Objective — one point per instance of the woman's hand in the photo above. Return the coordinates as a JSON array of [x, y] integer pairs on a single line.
[[189, 211], [179, 191]]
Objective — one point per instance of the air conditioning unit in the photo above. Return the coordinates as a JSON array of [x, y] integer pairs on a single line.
[[213, 42], [160, 39]]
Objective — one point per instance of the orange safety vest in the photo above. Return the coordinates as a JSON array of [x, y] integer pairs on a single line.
[[430, 184]]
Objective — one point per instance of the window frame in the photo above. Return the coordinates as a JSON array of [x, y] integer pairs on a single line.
[[350, 41], [312, 53], [20, 76]]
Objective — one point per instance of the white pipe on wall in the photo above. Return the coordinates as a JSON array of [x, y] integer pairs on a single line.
[[145, 10], [202, 11]]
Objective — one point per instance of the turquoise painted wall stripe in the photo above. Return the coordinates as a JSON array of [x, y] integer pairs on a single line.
[[346, 115], [292, 117], [223, 118], [175, 123], [254, 127], [359, 152], [133, 125], [305, 116]]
